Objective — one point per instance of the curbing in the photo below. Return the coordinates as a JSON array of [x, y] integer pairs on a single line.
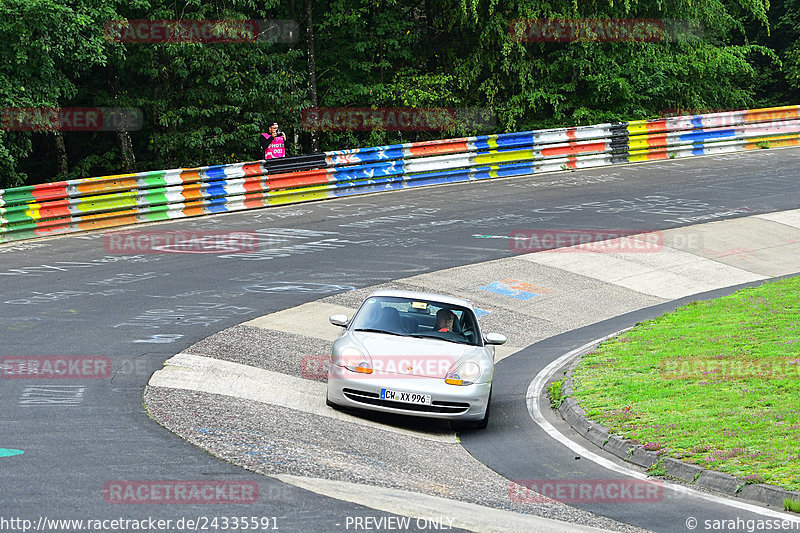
[[633, 452]]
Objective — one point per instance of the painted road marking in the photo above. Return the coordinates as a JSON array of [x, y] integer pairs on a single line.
[[515, 289], [10, 452], [53, 395]]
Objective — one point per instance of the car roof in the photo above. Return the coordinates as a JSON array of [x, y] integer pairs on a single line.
[[450, 300]]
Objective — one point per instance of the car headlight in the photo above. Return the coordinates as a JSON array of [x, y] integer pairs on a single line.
[[353, 360], [466, 374]]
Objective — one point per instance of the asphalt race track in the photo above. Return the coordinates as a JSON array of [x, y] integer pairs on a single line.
[[73, 296]]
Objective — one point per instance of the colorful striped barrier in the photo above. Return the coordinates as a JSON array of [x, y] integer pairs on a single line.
[[110, 201]]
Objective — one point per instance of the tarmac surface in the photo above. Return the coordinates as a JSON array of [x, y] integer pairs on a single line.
[[72, 296]]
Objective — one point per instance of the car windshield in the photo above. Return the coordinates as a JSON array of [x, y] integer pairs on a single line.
[[410, 317]]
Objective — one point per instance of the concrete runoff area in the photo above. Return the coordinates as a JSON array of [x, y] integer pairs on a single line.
[[526, 297]]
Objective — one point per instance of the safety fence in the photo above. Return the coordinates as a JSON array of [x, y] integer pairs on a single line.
[[110, 201]]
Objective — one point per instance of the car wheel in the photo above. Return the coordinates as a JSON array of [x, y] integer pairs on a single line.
[[480, 424], [329, 403], [483, 422]]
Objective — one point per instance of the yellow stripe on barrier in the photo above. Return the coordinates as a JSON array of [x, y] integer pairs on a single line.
[[33, 211], [289, 196], [501, 157]]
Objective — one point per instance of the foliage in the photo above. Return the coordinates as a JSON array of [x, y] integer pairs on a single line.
[[206, 103]]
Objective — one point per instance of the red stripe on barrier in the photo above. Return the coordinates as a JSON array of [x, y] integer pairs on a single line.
[[657, 140], [253, 184], [50, 191], [657, 126], [253, 169], [292, 180], [55, 209]]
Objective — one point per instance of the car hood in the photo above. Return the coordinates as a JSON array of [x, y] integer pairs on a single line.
[[392, 354]]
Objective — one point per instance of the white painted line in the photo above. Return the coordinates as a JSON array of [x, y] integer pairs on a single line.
[[535, 390], [215, 376], [422, 507]]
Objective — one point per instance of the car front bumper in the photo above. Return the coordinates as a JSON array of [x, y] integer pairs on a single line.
[[448, 402]]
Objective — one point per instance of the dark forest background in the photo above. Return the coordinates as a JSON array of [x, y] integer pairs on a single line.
[[206, 103]]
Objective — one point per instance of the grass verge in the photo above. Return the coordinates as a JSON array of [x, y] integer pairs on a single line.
[[714, 383]]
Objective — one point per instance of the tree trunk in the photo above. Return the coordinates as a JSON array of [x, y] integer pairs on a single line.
[[126, 147], [61, 154], [125, 144], [312, 73]]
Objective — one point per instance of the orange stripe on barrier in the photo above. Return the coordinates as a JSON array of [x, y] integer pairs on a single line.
[[771, 113], [193, 191], [107, 185], [441, 148], [575, 148], [194, 210], [190, 175], [103, 220]]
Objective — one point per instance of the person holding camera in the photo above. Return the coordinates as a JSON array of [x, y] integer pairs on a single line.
[[273, 142]]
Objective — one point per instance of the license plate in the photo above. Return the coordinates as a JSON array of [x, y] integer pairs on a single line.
[[405, 397]]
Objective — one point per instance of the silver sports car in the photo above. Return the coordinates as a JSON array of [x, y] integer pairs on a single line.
[[414, 353]]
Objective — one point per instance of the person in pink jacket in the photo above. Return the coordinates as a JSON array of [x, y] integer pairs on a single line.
[[273, 142]]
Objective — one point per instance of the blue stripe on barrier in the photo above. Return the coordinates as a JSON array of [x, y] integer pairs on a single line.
[[217, 205], [216, 188], [700, 136], [697, 121], [216, 172], [357, 172]]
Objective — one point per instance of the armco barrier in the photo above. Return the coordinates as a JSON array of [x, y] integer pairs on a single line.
[[109, 201]]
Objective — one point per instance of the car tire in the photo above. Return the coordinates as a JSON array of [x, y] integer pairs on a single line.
[[480, 424], [483, 422], [329, 403]]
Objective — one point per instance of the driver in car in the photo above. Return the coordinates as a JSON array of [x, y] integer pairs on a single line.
[[444, 320]]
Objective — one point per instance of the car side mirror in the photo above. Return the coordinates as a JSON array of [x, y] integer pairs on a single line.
[[493, 338], [338, 320]]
